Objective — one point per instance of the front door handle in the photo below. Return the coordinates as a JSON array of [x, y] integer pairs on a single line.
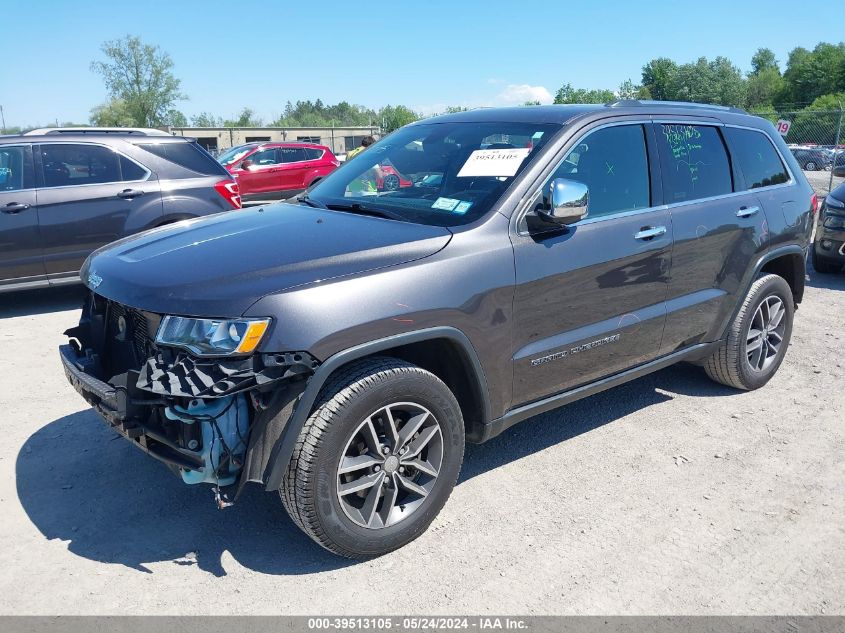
[[130, 193], [14, 207], [747, 212], [650, 232]]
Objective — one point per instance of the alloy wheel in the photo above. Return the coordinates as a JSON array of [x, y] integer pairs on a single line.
[[390, 465], [765, 335]]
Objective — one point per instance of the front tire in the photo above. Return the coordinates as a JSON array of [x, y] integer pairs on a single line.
[[758, 337], [810, 166], [377, 458]]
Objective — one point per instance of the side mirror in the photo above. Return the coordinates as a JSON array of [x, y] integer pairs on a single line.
[[569, 200], [839, 172], [246, 164]]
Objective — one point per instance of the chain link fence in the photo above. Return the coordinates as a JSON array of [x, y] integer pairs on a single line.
[[817, 140]]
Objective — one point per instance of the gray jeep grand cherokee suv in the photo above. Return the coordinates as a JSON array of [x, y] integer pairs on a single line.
[[66, 192], [341, 350]]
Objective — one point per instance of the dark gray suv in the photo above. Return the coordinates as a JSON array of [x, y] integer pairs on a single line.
[[64, 194], [341, 350]]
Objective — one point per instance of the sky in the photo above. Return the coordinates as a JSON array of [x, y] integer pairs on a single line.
[[425, 55]]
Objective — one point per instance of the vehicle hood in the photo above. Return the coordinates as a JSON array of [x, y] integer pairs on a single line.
[[220, 265]]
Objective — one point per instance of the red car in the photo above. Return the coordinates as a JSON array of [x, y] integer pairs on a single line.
[[391, 180], [277, 170]]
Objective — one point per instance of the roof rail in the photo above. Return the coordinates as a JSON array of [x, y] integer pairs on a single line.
[[135, 131], [628, 103]]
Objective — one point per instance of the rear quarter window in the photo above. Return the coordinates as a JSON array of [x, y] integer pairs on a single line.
[[188, 155], [756, 158]]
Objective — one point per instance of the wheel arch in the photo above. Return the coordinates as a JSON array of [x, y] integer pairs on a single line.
[[791, 265], [444, 351]]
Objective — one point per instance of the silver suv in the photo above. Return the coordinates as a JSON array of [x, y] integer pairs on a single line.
[[65, 193]]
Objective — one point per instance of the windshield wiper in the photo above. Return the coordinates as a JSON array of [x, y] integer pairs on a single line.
[[311, 202], [357, 207]]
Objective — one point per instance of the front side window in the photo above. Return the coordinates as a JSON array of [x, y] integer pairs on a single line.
[[12, 162], [448, 173], [613, 163], [264, 158], [756, 157], [695, 162], [68, 164], [234, 154]]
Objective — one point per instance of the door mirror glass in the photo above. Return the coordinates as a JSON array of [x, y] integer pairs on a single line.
[[569, 200]]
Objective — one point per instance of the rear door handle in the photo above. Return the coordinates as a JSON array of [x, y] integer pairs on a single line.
[[14, 207], [649, 232], [130, 193], [747, 212]]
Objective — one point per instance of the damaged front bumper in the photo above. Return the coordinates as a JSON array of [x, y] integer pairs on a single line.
[[212, 420]]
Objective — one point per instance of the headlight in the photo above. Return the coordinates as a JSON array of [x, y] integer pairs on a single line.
[[212, 337]]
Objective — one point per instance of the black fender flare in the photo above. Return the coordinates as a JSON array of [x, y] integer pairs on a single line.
[[283, 450], [765, 258]]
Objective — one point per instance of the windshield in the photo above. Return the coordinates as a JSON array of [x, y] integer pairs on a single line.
[[446, 174], [234, 154]]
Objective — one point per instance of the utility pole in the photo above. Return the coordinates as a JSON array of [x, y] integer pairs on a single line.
[[3, 118]]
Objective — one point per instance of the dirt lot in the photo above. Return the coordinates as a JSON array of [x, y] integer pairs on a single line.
[[669, 495]]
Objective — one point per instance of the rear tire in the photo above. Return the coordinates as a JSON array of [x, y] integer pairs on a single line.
[[757, 338], [810, 166], [373, 421]]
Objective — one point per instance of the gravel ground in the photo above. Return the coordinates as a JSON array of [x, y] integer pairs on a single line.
[[669, 495]]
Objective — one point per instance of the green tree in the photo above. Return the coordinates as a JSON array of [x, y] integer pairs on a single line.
[[717, 82], [175, 118], [141, 77], [763, 88], [818, 122], [394, 117], [531, 103], [567, 94], [658, 79], [628, 90], [812, 74], [206, 119], [764, 59], [246, 118], [115, 113]]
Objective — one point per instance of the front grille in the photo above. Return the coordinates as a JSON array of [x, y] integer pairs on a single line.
[[129, 337]]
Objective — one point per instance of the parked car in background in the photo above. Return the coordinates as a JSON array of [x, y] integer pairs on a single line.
[[829, 244], [277, 170], [811, 159], [391, 180], [64, 194]]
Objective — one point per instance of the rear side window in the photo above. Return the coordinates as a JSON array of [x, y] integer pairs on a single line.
[[756, 158], [188, 155], [293, 154], [71, 164], [313, 154], [613, 163], [695, 162]]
